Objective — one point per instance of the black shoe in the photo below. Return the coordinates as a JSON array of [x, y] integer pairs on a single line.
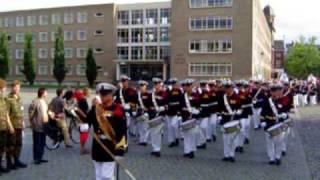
[[246, 141], [283, 153], [37, 162], [173, 144], [156, 154], [143, 144], [214, 138], [272, 163], [4, 170], [240, 149], [191, 155], [43, 161], [232, 159], [19, 164], [186, 155], [10, 165], [278, 162], [208, 140], [177, 142], [203, 146], [226, 159]]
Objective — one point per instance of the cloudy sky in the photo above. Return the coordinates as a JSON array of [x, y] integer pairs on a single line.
[[293, 17]]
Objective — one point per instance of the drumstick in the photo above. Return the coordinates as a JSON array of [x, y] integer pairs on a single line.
[[114, 158]]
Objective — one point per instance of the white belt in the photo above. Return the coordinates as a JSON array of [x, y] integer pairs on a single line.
[[103, 137], [246, 106], [174, 103]]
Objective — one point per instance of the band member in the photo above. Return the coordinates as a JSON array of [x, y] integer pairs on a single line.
[[175, 98], [313, 91], [230, 115], [16, 116], [126, 96], [303, 94], [246, 106], [6, 126], [205, 113], [271, 117], [109, 125], [157, 109], [144, 104], [190, 112], [258, 96], [213, 119]]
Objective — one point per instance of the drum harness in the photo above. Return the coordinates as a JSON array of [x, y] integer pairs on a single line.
[[232, 113]]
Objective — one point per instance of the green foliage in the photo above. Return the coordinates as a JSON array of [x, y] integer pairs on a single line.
[[29, 61], [59, 67], [303, 59], [4, 56], [91, 68]]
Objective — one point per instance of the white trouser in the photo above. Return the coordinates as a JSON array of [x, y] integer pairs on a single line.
[[274, 146], [143, 131], [189, 142], [256, 116], [229, 144], [104, 170], [247, 126], [313, 100], [296, 100], [303, 99], [212, 129], [156, 138], [172, 128], [241, 134], [285, 139], [201, 135]]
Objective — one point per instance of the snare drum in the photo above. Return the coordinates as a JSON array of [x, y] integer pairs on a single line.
[[142, 118], [155, 122], [289, 122], [275, 130], [231, 127], [188, 124]]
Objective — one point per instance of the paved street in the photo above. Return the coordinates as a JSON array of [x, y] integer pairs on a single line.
[[301, 162]]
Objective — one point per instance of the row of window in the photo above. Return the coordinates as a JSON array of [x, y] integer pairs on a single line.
[[141, 53], [211, 23], [147, 17], [43, 20], [210, 69], [210, 46], [43, 53], [139, 35], [210, 3], [43, 70]]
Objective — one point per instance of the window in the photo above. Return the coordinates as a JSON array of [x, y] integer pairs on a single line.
[[1, 23], [123, 35], [34, 36], [68, 35], [8, 22], [152, 16], [210, 69], [69, 70], [82, 35], [136, 52], [165, 16], [151, 52], [123, 53], [52, 52], [151, 34], [10, 37], [43, 20], [43, 37], [165, 52], [137, 17], [81, 52], [210, 3], [123, 17], [68, 53], [98, 33], [98, 50], [43, 53], [19, 53], [53, 35], [211, 23], [81, 70], [43, 70], [20, 21], [82, 17], [99, 15], [20, 37], [137, 35], [68, 18], [31, 20], [56, 19], [164, 34], [19, 68], [210, 46]]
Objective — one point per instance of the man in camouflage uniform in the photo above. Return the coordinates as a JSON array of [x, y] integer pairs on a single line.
[[5, 124], [15, 108]]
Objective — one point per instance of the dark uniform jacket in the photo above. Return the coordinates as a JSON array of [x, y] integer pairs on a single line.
[[194, 103], [245, 99], [267, 114], [146, 102], [175, 101], [161, 100], [205, 100], [234, 103], [115, 115], [129, 96]]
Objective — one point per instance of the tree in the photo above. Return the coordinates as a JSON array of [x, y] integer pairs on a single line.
[[29, 61], [303, 59], [91, 68], [59, 67], [4, 56]]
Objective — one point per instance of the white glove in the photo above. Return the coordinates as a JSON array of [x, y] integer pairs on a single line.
[[134, 113], [161, 109], [126, 107], [195, 111], [263, 124], [146, 115], [239, 112], [284, 116], [223, 130], [118, 158]]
